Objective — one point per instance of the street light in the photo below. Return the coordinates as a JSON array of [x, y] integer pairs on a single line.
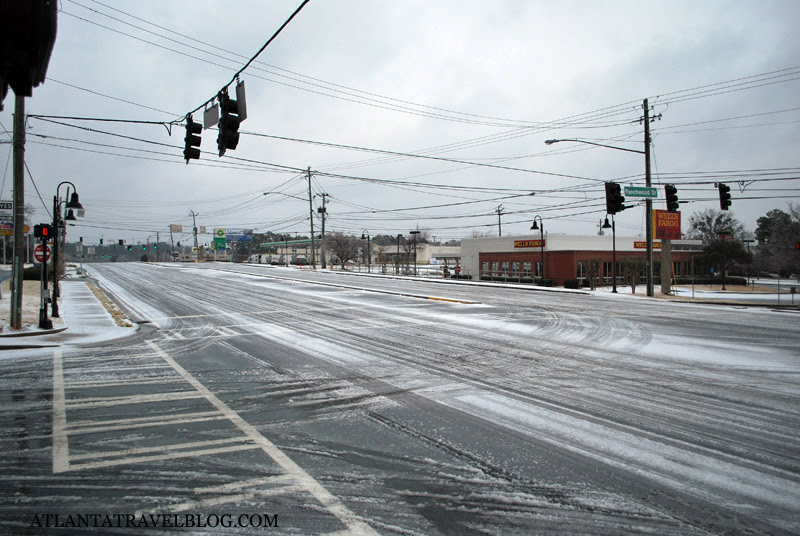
[[397, 264], [69, 206], [613, 227], [364, 235], [415, 233], [648, 202], [540, 227]]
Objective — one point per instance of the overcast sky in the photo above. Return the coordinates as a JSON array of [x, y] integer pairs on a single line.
[[462, 82]]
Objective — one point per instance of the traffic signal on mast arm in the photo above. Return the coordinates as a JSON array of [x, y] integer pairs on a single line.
[[192, 140], [672, 197], [228, 137], [614, 198], [724, 196]]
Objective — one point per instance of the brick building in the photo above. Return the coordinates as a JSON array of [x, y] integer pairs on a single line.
[[564, 256]]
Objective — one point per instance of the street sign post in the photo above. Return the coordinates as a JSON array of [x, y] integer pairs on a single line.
[[641, 192]]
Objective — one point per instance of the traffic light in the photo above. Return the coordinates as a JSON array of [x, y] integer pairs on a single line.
[[192, 140], [121, 242], [228, 137], [144, 247], [130, 248], [101, 241], [672, 197], [614, 198], [724, 196], [42, 230], [797, 245]]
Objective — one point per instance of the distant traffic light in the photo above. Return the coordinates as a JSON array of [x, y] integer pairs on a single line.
[[144, 247], [228, 137], [614, 198], [724, 196], [130, 248], [192, 140], [672, 197], [121, 242], [101, 241]]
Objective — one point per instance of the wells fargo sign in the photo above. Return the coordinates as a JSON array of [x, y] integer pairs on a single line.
[[643, 245], [529, 243], [666, 225]]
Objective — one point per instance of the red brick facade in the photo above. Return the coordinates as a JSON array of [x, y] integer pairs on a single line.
[[562, 265]]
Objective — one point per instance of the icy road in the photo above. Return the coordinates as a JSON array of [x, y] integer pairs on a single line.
[[262, 400]]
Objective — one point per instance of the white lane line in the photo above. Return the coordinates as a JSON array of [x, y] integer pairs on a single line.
[[277, 479], [133, 399], [92, 384], [162, 457], [161, 448], [60, 443], [131, 426], [331, 503], [112, 368], [135, 420]]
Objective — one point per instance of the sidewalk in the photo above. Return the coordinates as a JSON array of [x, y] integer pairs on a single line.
[[84, 318]]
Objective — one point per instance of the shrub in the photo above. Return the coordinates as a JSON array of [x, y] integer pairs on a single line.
[[572, 283]]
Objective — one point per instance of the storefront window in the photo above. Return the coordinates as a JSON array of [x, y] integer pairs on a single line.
[[494, 268], [484, 267], [526, 268], [504, 267], [515, 269]]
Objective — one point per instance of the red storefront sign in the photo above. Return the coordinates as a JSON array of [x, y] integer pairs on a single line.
[[666, 225], [643, 245]]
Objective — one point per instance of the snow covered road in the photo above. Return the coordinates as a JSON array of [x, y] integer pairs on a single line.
[[346, 409]]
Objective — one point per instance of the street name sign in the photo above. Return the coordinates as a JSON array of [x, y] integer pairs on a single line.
[[644, 192]]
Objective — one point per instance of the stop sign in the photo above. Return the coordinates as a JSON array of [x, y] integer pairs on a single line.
[[457, 269], [39, 253]]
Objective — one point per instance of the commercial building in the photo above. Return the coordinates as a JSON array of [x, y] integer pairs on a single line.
[[563, 257]]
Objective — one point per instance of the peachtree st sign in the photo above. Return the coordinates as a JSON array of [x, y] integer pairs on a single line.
[[529, 243]]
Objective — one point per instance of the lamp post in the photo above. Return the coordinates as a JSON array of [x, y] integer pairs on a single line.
[[540, 227], [415, 233], [648, 202], [613, 228], [69, 206], [397, 264], [364, 235]]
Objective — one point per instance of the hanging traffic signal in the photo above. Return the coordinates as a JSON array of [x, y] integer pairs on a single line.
[[192, 140], [614, 198], [42, 230], [130, 248], [121, 242], [672, 197], [101, 241], [144, 247], [724, 196], [228, 137]]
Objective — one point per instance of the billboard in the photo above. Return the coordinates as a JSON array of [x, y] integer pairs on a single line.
[[666, 225]]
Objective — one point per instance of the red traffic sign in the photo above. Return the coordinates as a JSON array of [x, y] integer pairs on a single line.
[[38, 253], [457, 269]]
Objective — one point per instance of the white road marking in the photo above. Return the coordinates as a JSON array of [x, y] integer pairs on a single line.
[[91, 384], [161, 448], [304, 480], [161, 457], [277, 479], [212, 416], [102, 402]]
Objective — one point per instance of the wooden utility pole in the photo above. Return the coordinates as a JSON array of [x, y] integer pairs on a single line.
[[311, 218], [19, 212], [499, 211], [649, 202]]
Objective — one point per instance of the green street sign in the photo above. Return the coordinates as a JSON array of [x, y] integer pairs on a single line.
[[219, 244], [641, 192]]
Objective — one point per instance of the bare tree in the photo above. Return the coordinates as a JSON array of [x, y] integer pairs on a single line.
[[344, 247], [634, 267]]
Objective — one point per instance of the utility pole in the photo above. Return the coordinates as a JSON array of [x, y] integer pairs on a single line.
[[649, 202], [323, 211], [171, 245], [158, 253], [311, 218], [19, 212], [499, 211], [194, 215]]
